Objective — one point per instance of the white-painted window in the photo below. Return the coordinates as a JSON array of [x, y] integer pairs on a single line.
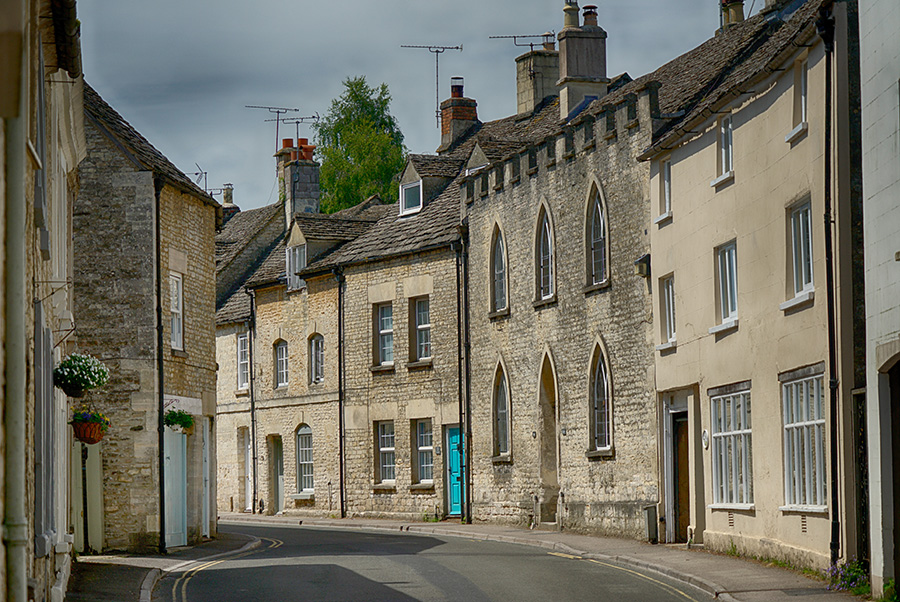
[[45, 450], [305, 483], [243, 360], [425, 449], [423, 329], [804, 442], [296, 261], [801, 247], [545, 259], [176, 291], [281, 364], [601, 422], [801, 91], [316, 358], [411, 198], [386, 458], [726, 259], [598, 257], [665, 190], [501, 416], [498, 273], [732, 449], [667, 290], [384, 323], [726, 150]]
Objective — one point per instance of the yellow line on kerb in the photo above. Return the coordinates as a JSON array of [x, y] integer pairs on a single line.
[[185, 578], [561, 555], [665, 586]]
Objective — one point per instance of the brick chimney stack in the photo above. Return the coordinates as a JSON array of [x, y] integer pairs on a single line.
[[458, 114], [582, 59], [298, 178], [536, 74], [229, 209]]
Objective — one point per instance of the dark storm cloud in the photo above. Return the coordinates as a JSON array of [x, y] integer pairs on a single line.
[[181, 71]]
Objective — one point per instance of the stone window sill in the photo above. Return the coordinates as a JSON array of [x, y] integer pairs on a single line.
[[725, 178], [498, 187], [589, 146], [822, 510], [304, 495], [550, 163], [422, 488], [384, 488], [797, 132], [381, 369], [179, 353], [664, 218], [542, 303], [514, 180], [726, 326], [632, 124], [733, 507], [242, 393], [502, 459], [569, 155], [600, 454], [500, 313], [667, 346], [802, 299], [591, 288], [531, 171], [611, 135], [422, 364]]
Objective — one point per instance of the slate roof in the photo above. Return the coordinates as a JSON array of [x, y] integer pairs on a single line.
[[240, 230], [139, 148]]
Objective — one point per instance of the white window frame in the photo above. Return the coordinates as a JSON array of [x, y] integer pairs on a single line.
[[803, 411], [295, 260], [423, 328], [498, 274], [599, 261], [316, 358], [732, 449], [424, 434], [384, 324], [387, 459], [726, 146], [665, 191], [667, 294], [726, 270], [243, 361], [601, 406], [176, 292], [305, 478], [545, 284], [501, 415], [410, 209], [801, 248], [281, 364]]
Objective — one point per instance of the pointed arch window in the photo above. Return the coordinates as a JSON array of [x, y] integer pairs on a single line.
[[601, 405], [498, 274], [545, 284], [597, 256], [501, 415]]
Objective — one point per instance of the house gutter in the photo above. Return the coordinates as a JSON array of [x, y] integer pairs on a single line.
[[15, 520], [339, 276], [825, 29], [158, 184]]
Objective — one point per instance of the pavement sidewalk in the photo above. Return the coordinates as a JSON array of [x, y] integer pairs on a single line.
[[723, 577]]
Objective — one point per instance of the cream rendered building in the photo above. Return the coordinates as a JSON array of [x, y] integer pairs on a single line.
[[738, 195]]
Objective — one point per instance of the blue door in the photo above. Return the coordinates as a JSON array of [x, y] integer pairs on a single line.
[[454, 471]]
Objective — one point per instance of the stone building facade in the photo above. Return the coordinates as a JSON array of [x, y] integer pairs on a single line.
[[146, 241]]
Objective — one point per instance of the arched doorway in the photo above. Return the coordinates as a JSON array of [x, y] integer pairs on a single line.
[[549, 444]]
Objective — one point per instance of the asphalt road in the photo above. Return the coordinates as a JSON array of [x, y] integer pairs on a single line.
[[303, 563]]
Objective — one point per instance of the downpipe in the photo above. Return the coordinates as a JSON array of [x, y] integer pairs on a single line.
[[160, 370]]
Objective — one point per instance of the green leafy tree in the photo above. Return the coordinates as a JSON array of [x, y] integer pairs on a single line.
[[360, 146]]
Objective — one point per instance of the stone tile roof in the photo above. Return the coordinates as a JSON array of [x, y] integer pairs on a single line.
[[272, 270], [370, 209], [240, 230], [435, 165], [327, 227], [235, 309], [137, 147]]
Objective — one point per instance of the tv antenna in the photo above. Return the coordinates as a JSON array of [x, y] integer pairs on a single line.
[[200, 175], [548, 39], [297, 121], [437, 51], [278, 112]]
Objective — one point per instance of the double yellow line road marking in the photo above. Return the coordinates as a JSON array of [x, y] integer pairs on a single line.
[[180, 585]]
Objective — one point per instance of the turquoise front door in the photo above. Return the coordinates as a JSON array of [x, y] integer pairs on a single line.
[[454, 471]]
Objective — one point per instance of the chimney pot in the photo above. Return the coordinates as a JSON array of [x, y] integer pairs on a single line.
[[302, 142], [456, 87], [549, 41], [227, 194], [732, 12], [571, 12], [287, 143], [590, 15]]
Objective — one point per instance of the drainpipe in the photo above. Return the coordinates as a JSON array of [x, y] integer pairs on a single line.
[[339, 276], [459, 349], [825, 28], [15, 520], [251, 337], [467, 442], [161, 377]]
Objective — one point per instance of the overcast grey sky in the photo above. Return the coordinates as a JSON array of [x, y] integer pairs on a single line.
[[181, 71]]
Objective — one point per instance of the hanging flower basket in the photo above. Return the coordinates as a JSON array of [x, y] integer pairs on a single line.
[[78, 373], [179, 420], [89, 426]]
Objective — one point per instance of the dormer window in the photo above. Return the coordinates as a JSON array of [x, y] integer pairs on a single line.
[[411, 198], [295, 261]]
